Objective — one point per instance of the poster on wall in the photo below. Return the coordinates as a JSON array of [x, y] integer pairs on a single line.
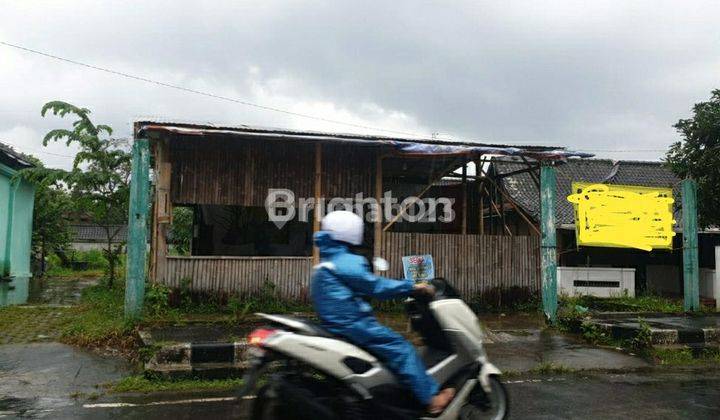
[[418, 267], [623, 216]]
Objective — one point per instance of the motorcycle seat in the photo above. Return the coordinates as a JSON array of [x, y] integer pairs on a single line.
[[299, 325]]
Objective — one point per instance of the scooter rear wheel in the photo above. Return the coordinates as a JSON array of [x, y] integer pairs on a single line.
[[481, 405]]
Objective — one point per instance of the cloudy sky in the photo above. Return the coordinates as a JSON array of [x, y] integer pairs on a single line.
[[604, 76]]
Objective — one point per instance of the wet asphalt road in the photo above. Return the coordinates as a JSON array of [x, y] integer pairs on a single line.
[[657, 395]]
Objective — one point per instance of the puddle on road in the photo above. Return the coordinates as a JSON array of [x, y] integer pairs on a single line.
[[42, 291]]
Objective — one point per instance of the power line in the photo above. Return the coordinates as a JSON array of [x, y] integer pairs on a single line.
[[199, 92], [37, 150], [248, 103]]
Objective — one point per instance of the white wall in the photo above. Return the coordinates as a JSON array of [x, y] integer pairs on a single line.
[[624, 277]]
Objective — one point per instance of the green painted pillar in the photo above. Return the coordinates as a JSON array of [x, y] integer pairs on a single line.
[[691, 266], [548, 189], [137, 229], [6, 269]]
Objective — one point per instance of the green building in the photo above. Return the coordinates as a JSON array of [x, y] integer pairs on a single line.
[[16, 213]]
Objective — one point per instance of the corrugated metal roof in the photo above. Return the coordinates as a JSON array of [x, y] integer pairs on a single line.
[[443, 146], [524, 191]]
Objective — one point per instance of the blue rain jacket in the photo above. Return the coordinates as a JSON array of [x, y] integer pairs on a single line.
[[339, 285]]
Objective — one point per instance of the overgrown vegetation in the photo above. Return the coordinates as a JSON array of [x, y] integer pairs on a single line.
[[165, 304], [181, 231], [143, 384], [686, 356], [512, 299], [80, 264], [550, 368], [576, 319], [97, 322], [625, 303]]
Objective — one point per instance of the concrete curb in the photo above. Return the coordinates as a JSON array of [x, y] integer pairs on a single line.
[[663, 336], [199, 359]]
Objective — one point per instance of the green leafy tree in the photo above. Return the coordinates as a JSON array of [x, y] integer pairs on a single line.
[[99, 178], [181, 229], [697, 156], [51, 232]]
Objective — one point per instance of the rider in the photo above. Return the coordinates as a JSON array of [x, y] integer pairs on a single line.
[[341, 282]]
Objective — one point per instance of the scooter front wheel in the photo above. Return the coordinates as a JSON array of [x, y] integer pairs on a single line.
[[266, 405], [494, 405]]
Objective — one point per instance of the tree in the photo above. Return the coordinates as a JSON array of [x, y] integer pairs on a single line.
[[181, 229], [697, 156], [52, 205], [99, 178]]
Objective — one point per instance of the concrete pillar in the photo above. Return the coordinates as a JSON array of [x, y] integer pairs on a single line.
[[548, 243], [691, 266], [137, 229]]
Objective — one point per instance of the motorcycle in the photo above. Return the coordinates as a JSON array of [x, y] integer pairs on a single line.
[[312, 374]]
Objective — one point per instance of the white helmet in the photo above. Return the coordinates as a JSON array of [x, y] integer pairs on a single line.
[[344, 226]]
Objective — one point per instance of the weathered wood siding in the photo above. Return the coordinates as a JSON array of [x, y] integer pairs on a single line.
[[241, 275], [232, 172], [217, 171], [473, 263]]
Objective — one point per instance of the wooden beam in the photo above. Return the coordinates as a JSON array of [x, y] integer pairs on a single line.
[[533, 175], [513, 204], [377, 236], [481, 204], [162, 211], [495, 207], [464, 198], [454, 164], [318, 194]]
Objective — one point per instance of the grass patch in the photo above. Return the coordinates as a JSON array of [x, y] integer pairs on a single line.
[[686, 356], [66, 272], [625, 304], [99, 321], [142, 384], [163, 304], [550, 368], [20, 324]]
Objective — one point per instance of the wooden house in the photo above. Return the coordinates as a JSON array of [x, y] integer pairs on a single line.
[[224, 175]]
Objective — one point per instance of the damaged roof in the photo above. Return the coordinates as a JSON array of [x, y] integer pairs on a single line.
[[522, 188], [13, 159], [405, 145]]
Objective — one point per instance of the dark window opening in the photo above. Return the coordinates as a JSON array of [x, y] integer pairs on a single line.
[[247, 231]]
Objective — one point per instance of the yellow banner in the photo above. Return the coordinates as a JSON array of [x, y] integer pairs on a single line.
[[623, 216]]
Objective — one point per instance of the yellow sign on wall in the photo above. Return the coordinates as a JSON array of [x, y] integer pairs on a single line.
[[623, 216]]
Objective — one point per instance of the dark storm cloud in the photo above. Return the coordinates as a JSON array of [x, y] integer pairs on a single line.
[[604, 75]]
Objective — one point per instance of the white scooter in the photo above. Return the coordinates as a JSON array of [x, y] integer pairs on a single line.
[[312, 374]]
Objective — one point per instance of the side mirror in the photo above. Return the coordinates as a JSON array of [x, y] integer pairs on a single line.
[[381, 264]]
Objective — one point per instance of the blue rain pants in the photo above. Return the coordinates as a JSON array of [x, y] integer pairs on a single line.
[[338, 290]]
